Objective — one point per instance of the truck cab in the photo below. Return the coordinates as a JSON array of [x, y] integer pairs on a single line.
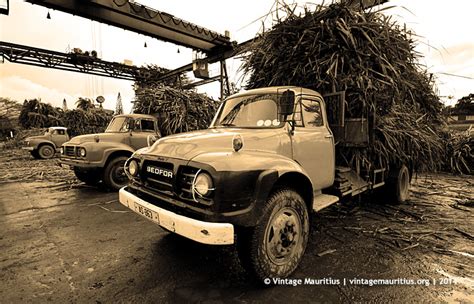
[[100, 157]]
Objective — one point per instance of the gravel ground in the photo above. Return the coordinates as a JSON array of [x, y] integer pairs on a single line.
[[62, 241]]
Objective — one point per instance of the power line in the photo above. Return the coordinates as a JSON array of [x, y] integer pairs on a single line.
[[454, 75]]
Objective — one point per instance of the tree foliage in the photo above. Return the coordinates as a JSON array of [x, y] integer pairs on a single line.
[[36, 114]]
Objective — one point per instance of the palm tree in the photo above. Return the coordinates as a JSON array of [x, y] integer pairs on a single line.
[[84, 104]]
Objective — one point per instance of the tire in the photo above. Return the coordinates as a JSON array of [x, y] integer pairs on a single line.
[[261, 251], [89, 177], [46, 151], [398, 185], [35, 154], [114, 173]]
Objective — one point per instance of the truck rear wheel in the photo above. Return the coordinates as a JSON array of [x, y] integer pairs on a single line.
[[275, 247], [398, 184], [46, 151], [114, 173], [88, 176]]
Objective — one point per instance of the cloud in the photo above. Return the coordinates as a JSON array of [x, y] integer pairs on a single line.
[[18, 88]]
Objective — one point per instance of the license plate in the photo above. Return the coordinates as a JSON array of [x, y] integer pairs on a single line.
[[152, 215]]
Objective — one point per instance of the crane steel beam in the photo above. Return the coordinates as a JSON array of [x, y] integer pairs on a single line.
[[144, 20], [201, 82], [210, 59], [72, 62], [81, 63]]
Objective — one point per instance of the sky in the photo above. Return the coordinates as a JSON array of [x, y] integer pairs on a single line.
[[444, 34]]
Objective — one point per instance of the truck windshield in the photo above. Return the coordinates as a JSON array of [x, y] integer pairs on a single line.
[[250, 111], [118, 124]]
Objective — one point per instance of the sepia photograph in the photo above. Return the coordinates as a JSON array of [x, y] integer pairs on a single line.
[[271, 151]]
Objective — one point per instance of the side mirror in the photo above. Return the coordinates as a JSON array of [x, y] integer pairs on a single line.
[[151, 139], [287, 103]]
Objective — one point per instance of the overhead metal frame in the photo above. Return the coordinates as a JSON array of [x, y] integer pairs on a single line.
[[80, 63], [141, 19], [144, 20], [16, 53]]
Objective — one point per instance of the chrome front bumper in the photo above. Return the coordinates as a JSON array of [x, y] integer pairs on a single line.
[[199, 231]]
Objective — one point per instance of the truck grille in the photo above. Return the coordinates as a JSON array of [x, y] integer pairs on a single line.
[[155, 176], [158, 175], [70, 151]]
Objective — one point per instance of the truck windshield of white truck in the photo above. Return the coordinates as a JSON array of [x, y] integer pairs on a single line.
[[250, 111]]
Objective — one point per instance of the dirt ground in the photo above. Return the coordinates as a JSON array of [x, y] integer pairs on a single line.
[[61, 241]]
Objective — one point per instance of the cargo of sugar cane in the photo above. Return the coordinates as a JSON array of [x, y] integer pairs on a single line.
[[371, 61]]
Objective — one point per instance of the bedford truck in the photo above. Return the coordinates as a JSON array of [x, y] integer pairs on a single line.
[[101, 157], [45, 146], [252, 178]]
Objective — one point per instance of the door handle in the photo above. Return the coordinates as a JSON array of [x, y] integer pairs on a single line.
[[328, 136]]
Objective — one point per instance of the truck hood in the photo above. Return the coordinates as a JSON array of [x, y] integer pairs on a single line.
[[191, 144], [31, 138], [77, 140]]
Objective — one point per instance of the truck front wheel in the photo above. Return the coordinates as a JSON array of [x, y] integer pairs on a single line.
[[275, 247], [46, 151], [89, 177], [114, 173]]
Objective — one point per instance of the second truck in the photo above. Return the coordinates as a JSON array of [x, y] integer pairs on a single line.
[[101, 157]]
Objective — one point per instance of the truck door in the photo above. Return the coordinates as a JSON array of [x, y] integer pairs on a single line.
[[59, 137], [141, 129], [313, 142]]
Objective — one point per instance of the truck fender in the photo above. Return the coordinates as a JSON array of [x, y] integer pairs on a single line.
[[44, 142], [116, 150], [270, 180], [274, 171]]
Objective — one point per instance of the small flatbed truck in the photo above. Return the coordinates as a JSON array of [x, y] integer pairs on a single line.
[[45, 146], [101, 157], [252, 178]]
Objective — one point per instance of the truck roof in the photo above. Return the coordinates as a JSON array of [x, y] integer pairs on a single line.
[[279, 89], [58, 128], [135, 115]]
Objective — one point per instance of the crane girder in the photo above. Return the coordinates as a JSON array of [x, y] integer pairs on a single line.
[[144, 20]]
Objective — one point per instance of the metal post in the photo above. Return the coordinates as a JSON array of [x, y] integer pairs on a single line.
[[225, 87], [221, 80]]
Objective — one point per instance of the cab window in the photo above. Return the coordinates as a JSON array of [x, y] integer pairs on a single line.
[[312, 116], [148, 125], [60, 132]]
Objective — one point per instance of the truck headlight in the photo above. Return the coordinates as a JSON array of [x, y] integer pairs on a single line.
[[81, 152], [61, 150], [202, 184], [133, 167]]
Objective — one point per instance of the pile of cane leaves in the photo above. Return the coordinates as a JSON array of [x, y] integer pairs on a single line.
[[177, 110], [370, 57], [460, 152]]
